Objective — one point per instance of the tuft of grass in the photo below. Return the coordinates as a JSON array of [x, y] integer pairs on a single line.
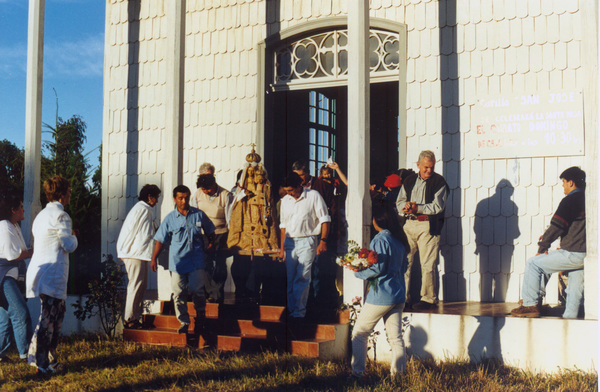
[[93, 363]]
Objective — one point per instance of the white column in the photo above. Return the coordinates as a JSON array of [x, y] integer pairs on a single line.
[[173, 135], [359, 200], [591, 37], [33, 114]]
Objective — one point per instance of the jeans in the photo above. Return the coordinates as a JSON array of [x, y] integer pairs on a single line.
[[367, 319], [538, 270], [299, 256], [17, 314], [194, 283]]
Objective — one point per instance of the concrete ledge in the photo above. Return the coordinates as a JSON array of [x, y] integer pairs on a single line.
[[71, 325], [538, 344]]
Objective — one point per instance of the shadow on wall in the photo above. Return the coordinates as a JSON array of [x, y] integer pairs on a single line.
[[133, 72], [485, 343], [416, 340], [496, 228]]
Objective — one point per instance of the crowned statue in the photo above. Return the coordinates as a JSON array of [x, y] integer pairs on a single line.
[[252, 228]]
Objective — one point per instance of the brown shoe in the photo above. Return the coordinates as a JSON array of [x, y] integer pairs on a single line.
[[136, 324], [526, 311]]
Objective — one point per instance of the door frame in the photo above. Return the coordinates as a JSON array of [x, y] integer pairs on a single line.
[[265, 69]]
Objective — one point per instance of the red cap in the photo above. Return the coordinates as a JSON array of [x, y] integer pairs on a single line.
[[393, 181]]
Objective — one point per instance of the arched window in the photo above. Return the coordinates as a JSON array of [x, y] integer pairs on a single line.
[[323, 59]]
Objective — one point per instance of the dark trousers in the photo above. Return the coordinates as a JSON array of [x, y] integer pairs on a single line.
[[240, 273], [272, 278], [260, 277], [215, 268], [324, 297]]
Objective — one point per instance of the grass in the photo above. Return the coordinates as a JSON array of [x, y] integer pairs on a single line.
[[92, 363]]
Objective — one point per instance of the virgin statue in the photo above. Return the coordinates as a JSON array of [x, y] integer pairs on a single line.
[[252, 228]]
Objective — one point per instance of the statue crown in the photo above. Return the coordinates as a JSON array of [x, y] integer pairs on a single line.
[[253, 158]]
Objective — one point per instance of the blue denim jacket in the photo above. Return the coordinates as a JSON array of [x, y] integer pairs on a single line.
[[389, 271], [184, 234]]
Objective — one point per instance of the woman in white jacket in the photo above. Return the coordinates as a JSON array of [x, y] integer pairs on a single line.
[[48, 272], [134, 248], [14, 314]]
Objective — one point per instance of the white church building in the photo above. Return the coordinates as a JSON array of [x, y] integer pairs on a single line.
[[505, 93]]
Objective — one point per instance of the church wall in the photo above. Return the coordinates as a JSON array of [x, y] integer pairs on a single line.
[[134, 112], [455, 56]]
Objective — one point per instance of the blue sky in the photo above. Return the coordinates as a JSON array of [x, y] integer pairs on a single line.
[[73, 66]]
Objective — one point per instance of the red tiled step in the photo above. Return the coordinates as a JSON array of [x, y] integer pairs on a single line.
[[171, 322], [248, 343], [248, 327], [308, 347], [211, 311], [247, 311], [155, 336]]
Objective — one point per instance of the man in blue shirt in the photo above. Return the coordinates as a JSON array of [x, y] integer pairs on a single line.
[[182, 228]]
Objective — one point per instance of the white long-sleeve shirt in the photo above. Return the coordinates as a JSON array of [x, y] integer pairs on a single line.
[[136, 239], [12, 244], [303, 217], [49, 267]]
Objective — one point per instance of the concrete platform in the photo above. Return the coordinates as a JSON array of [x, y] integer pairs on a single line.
[[474, 331]]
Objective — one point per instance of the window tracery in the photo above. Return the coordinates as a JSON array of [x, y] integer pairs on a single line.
[[323, 57]]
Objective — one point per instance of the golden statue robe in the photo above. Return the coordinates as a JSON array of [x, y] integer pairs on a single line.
[[252, 226]]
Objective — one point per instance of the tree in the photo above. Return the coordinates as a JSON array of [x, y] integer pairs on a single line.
[[66, 158], [12, 164], [63, 155]]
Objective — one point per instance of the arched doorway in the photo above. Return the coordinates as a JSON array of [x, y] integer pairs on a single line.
[[305, 100]]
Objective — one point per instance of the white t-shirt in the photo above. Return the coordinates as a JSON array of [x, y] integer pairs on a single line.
[[303, 217], [12, 244]]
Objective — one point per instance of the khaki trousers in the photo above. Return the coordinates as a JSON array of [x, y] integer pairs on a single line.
[[428, 247], [137, 273]]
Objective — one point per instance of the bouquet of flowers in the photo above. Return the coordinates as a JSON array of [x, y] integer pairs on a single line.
[[357, 258]]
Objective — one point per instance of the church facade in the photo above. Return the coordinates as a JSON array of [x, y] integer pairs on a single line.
[[503, 92]]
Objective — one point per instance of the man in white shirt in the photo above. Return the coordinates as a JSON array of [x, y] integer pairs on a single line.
[[134, 248], [304, 231]]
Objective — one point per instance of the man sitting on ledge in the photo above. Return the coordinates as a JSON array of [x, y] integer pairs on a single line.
[[568, 223]]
